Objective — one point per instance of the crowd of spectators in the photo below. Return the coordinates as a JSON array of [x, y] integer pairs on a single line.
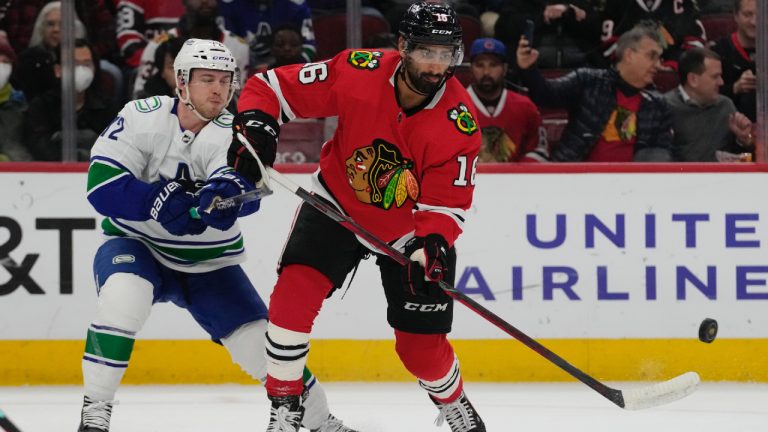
[[599, 81]]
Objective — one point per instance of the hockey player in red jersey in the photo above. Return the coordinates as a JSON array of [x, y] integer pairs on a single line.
[[402, 164]]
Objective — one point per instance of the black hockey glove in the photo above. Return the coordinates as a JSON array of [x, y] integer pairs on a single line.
[[429, 263], [261, 132]]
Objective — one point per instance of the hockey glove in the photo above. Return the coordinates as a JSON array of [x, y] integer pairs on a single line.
[[261, 132], [169, 204], [222, 186], [429, 263]]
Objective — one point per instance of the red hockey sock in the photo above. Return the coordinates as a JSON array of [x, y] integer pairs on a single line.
[[298, 297], [276, 387]]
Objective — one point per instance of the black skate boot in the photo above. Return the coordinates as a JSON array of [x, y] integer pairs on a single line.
[[460, 414], [285, 414], [95, 415], [332, 424]]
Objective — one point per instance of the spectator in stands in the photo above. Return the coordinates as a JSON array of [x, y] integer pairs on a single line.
[[566, 34], [95, 111], [738, 54], [707, 126], [510, 123], [255, 20], [98, 20], [613, 115], [12, 107], [139, 21], [198, 21], [34, 74], [163, 81], [678, 22], [285, 49]]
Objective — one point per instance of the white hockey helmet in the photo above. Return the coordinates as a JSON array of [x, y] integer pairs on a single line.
[[204, 54]]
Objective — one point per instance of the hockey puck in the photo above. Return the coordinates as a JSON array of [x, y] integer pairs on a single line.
[[708, 330]]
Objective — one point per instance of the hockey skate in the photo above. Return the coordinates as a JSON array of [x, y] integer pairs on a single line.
[[95, 415], [285, 414], [332, 424], [460, 415]]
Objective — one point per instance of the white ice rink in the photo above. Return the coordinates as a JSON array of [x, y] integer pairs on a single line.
[[570, 407]]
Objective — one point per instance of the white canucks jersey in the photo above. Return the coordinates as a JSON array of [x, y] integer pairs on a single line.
[[146, 142]]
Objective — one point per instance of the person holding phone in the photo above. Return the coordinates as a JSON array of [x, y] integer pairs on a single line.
[[565, 33], [613, 114]]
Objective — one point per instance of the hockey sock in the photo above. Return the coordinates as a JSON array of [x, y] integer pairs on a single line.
[[297, 297], [286, 353], [124, 304], [431, 359], [315, 404], [107, 352]]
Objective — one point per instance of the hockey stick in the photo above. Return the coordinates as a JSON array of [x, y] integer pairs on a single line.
[[6, 424], [644, 397]]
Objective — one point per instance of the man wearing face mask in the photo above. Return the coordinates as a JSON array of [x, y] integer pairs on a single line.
[[12, 107], [94, 110]]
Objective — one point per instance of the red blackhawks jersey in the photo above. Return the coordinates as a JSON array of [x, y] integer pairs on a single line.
[[511, 129], [393, 171]]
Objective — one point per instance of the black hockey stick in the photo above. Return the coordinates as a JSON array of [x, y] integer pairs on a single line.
[[6, 424], [644, 397]]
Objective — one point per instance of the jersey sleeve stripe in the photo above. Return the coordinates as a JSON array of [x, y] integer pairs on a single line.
[[274, 83], [100, 174], [457, 214]]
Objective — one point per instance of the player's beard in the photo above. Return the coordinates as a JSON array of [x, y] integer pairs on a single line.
[[418, 82]]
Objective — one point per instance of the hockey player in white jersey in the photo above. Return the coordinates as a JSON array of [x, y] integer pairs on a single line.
[[159, 158]]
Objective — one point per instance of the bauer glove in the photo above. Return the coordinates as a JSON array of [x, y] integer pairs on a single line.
[[169, 204], [219, 187]]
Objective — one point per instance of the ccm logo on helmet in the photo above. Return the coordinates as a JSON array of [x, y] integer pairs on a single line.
[[426, 307], [445, 32]]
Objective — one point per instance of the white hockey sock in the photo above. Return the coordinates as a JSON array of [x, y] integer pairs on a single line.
[[286, 353], [124, 304], [316, 403], [444, 387]]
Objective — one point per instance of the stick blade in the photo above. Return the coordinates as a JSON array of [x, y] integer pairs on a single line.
[[661, 393]]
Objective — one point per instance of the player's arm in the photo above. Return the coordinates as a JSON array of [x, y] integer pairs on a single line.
[[278, 96], [447, 186], [116, 157]]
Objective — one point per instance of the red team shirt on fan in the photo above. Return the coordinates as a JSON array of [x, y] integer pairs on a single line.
[[519, 118], [382, 160], [617, 143]]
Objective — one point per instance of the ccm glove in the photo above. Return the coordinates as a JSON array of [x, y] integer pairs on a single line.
[[429, 263], [169, 204], [261, 131], [222, 186]]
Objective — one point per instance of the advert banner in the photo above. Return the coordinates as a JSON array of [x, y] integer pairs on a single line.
[[568, 256]]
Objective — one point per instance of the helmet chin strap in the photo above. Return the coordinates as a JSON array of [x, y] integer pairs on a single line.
[[407, 84], [189, 104]]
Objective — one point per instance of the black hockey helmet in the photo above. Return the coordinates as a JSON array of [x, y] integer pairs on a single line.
[[431, 23]]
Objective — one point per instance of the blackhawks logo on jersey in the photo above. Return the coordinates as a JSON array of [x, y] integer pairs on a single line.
[[381, 176], [463, 119], [367, 60]]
